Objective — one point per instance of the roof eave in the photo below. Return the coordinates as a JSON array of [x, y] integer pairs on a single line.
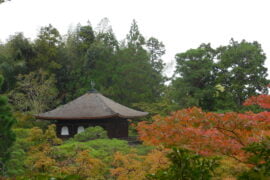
[[137, 116], [73, 118], [83, 118]]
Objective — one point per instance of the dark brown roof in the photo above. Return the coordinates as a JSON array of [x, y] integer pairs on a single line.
[[91, 105]]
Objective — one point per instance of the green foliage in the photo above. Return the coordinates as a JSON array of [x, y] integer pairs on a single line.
[[134, 37], [163, 107], [260, 160], [14, 57], [17, 159], [52, 70], [34, 92], [240, 69], [229, 168], [196, 82], [7, 136], [86, 37], [91, 133], [99, 148], [221, 78], [44, 176], [48, 50], [133, 70], [18, 153], [156, 50], [27, 120], [186, 165], [141, 149]]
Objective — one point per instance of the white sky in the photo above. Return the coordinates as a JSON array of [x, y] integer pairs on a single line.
[[179, 24]]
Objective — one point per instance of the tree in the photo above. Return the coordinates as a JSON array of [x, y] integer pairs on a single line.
[[134, 37], [186, 165], [73, 78], [262, 100], [40, 158], [207, 133], [34, 92], [15, 56], [259, 158], [156, 50], [194, 82], [241, 70], [48, 47], [7, 137], [135, 78], [135, 167], [86, 37], [85, 166]]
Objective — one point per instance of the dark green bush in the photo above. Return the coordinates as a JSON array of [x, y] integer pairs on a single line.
[[91, 133], [185, 165], [260, 159]]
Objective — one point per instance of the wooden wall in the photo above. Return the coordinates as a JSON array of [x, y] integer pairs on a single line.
[[116, 127]]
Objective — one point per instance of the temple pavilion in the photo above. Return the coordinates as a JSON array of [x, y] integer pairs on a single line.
[[91, 109]]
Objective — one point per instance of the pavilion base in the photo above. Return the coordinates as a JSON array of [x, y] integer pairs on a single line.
[[115, 127]]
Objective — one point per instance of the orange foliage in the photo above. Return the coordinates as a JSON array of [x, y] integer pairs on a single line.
[[262, 100], [135, 167], [205, 132], [83, 165], [40, 158]]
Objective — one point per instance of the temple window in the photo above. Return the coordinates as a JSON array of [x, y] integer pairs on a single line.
[[64, 131], [80, 129]]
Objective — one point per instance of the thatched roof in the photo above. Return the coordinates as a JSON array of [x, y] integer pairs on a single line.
[[91, 105]]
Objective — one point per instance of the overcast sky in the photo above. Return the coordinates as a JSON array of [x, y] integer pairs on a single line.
[[179, 24]]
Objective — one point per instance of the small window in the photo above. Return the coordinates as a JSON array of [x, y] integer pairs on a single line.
[[80, 129], [64, 131]]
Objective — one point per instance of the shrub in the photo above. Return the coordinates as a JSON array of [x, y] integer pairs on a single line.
[[99, 148], [186, 165], [91, 133], [259, 159]]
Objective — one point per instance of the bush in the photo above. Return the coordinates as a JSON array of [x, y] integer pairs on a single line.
[[27, 120], [259, 159], [91, 133], [99, 148], [186, 165]]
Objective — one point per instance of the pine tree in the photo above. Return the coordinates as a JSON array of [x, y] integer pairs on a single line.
[[7, 137]]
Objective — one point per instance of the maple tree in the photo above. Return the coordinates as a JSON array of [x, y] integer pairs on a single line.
[[210, 133], [40, 159], [135, 167], [83, 165], [186, 165], [262, 100]]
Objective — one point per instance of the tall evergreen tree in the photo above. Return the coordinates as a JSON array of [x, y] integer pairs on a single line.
[[47, 47], [73, 78], [135, 77], [7, 137], [241, 70], [194, 84], [156, 50], [15, 56]]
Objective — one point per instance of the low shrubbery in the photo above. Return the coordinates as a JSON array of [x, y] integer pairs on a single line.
[[91, 133]]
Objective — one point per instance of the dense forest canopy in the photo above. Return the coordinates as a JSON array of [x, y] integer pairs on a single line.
[[55, 68], [130, 71]]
